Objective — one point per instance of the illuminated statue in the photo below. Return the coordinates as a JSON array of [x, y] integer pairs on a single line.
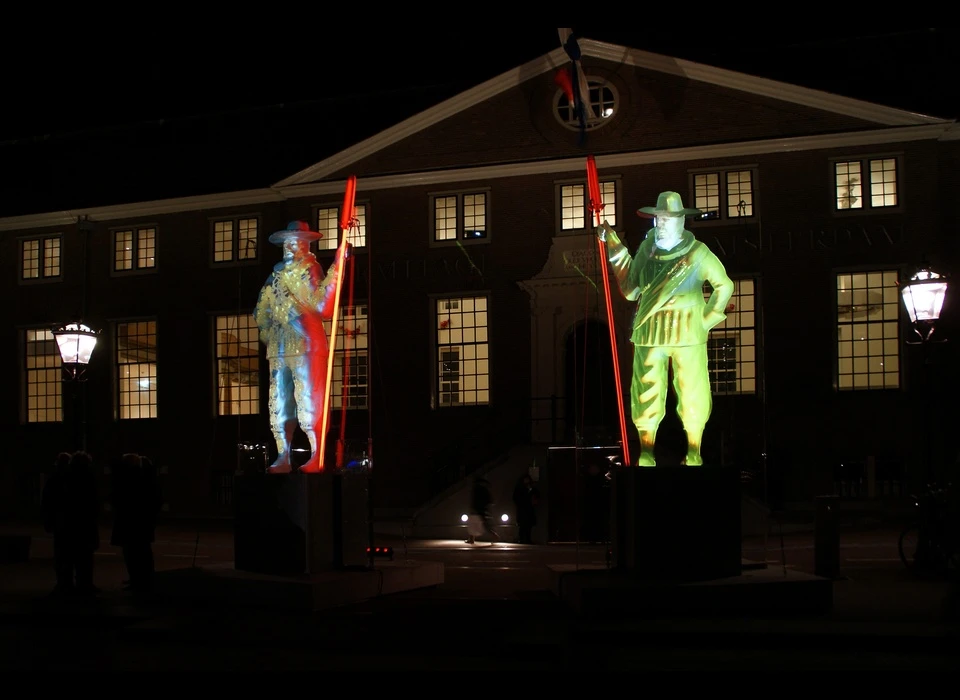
[[293, 303], [672, 320]]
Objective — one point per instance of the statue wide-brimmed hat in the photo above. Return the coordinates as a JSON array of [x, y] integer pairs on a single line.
[[668, 204], [295, 229]]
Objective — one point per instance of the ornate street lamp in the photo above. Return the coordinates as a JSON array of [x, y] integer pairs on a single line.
[[76, 342], [923, 298]]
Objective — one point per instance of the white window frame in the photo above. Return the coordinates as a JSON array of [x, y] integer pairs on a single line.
[[868, 336], [741, 324], [604, 102], [235, 240], [42, 383], [326, 220], [463, 205], [241, 332], [733, 207], [461, 325], [351, 352], [137, 263], [145, 369], [868, 189], [45, 245], [573, 205]]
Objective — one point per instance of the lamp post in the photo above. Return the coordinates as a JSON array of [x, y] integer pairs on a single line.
[[923, 298], [76, 343]]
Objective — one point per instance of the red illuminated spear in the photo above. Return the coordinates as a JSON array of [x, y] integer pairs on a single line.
[[348, 215], [596, 206]]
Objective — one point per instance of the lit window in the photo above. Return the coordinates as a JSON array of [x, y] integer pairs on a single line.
[[724, 194], [460, 217], [42, 377], [137, 369], [328, 224], [235, 239], [238, 365], [732, 344], [881, 174], [135, 249], [602, 100], [40, 258], [350, 371], [868, 331], [575, 214], [462, 372]]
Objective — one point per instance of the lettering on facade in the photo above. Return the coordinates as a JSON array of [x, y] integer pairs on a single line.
[[857, 237], [462, 267]]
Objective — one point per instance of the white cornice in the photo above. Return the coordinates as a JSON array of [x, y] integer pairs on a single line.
[[427, 118], [878, 114], [716, 152], [140, 209], [765, 87]]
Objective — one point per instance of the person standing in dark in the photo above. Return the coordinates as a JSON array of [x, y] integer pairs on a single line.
[[71, 513], [525, 499], [480, 501], [136, 501], [55, 522]]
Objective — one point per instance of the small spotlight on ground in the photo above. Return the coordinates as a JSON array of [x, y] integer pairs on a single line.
[[464, 518], [504, 518]]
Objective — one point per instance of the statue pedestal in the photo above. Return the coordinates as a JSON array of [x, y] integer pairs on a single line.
[[676, 524], [289, 524]]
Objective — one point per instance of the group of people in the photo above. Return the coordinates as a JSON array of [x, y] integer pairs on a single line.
[[71, 507], [526, 498]]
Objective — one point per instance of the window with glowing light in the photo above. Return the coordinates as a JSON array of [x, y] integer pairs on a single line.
[[328, 225], [40, 258], [135, 249], [868, 183], [350, 371], [42, 381], [724, 194], [461, 352], [235, 240], [238, 365], [732, 344], [460, 217], [575, 215], [603, 101], [136, 358], [868, 330]]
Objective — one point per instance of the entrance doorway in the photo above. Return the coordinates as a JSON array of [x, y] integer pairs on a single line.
[[591, 399]]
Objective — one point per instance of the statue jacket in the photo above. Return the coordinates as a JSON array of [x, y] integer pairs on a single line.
[[293, 303], [671, 310]]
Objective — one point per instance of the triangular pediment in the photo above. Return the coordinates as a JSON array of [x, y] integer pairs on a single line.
[[674, 104]]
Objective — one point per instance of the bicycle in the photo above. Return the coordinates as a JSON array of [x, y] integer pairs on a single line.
[[930, 544]]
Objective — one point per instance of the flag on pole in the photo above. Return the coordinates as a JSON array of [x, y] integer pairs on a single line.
[[578, 92]]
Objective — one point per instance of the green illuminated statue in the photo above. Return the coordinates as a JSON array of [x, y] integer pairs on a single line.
[[672, 322]]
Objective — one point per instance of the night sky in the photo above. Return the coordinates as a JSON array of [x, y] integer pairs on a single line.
[[83, 116]]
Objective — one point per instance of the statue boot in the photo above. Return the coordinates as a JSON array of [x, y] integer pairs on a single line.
[[282, 464], [647, 440], [312, 465], [694, 458]]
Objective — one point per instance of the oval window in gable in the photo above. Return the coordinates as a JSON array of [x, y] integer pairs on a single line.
[[603, 103]]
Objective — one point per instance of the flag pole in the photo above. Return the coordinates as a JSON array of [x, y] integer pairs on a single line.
[[346, 218], [596, 207]]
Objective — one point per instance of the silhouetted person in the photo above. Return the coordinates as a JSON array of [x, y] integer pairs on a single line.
[[481, 499], [136, 500], [54, 521], [525, 500], [71, 510]]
